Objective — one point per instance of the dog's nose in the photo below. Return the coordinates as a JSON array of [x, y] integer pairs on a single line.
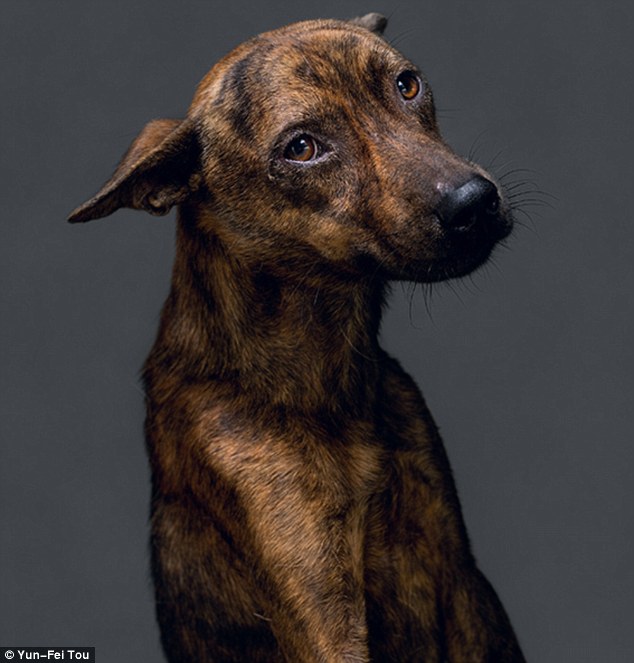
[[473, 202]]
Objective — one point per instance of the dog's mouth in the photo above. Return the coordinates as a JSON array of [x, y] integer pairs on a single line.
[[438, 252], [468, 248]]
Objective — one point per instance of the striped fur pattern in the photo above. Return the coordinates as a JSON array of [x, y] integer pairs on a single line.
[[303, 508]]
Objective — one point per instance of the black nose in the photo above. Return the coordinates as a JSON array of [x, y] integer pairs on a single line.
[[472, 203]]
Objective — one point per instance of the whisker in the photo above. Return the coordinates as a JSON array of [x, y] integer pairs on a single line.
[[476, 145], [491, 164], [397, 39]]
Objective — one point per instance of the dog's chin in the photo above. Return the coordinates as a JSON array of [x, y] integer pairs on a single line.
[[455, 268]]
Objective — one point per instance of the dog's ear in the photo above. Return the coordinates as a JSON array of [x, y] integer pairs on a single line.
[[159, 170], [373, 22]]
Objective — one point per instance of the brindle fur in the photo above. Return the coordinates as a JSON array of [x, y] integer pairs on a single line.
[[303, 507]]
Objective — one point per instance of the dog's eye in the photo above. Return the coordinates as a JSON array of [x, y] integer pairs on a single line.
[[408, 84], [303, 148]]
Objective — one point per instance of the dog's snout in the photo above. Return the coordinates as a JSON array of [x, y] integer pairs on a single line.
[[465, 206]]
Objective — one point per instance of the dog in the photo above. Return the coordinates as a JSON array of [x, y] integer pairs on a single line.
[[303, 507]]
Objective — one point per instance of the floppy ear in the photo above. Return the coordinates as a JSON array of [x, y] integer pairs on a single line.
[[373, 22], [159, 170]]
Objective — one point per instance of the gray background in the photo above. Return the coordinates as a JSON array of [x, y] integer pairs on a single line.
[[527, 368]]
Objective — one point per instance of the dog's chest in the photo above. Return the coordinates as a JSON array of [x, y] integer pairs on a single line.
[[306, 461]]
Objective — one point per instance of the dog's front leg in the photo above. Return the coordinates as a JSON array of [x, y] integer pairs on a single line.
[[310, 571], [303, 530]]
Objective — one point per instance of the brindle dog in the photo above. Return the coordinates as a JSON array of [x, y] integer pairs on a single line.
[[303, 507]]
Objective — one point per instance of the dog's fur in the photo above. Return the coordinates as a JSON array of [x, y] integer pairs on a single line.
[[303, 506]]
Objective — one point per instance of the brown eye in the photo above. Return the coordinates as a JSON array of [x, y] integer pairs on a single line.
[[408, 84], [302, 148]]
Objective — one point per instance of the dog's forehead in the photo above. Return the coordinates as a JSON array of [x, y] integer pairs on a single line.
[[324, 55], [329, 56]]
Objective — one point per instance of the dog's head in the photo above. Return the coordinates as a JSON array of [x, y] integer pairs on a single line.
[[318, 138]]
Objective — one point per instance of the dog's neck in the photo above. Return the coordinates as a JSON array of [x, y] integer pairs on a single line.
[[294, 336]]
